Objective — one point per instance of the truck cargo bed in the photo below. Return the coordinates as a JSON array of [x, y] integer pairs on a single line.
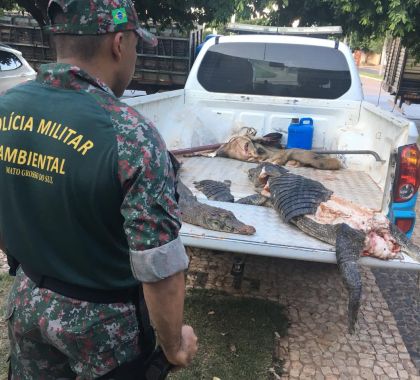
[[274, 237]]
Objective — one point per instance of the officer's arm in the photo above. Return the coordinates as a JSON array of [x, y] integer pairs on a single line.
[[152, 219], [165, 301], [152, 223]]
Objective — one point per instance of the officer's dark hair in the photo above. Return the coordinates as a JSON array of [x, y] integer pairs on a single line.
[[84, 47]]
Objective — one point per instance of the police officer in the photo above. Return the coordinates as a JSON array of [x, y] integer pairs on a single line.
[[88, 207]]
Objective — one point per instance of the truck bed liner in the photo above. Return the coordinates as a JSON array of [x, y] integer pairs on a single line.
[[356, 186], [274, 237]]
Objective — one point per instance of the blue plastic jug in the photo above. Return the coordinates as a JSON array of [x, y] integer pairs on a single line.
[[300, 133]]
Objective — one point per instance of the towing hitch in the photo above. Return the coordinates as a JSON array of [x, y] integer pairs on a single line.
[[237, 271]]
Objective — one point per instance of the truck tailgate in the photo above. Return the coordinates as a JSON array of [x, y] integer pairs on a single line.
[[273, 237]]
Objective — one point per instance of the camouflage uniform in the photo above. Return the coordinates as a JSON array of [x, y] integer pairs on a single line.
[[106, 219], [55, 337]]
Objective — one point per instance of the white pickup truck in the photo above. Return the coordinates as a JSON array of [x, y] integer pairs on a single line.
[[263, 82]]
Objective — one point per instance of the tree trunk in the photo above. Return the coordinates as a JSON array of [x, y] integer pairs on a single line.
[[38, 10]]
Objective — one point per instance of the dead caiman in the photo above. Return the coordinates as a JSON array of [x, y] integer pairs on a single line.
[[352, 229], [215, 190], [220, 191], [203, 215], [209, 217]]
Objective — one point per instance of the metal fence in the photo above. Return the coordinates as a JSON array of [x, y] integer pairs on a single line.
[[163, 67]]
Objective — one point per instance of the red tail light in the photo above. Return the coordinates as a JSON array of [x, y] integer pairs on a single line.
[[404, 224], [407, 179]]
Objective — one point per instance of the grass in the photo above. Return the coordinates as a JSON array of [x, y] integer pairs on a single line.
[[5, 284], [236, 336], [370, 75], [261, 73]]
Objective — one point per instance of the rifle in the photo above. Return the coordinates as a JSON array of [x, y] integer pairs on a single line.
[[157, 367]]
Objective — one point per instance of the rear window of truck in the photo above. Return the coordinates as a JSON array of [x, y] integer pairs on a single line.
[[275, 69]]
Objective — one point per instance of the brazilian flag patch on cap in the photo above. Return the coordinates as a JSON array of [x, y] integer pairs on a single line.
[[119, 16]]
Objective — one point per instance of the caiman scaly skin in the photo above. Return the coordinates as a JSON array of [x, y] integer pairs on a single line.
[[209, 217], [255, 200], [327, 232], [324, 232], [269, 169], [349, 245], [215, 190], [294, 197]]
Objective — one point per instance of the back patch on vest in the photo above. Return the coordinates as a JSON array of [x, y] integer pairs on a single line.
[[31, 163]]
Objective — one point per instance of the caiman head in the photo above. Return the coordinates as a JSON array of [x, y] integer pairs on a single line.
[[219, 219], [260, 174]]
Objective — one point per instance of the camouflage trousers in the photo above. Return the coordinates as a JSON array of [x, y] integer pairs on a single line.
[[56, 337]]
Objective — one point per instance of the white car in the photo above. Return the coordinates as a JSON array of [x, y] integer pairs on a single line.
[[132, 94], [13, 68]]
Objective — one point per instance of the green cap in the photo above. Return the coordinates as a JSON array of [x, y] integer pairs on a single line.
[[93, 17]]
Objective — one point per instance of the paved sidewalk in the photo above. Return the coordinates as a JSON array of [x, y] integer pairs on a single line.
[[401, 290], [374, 94]]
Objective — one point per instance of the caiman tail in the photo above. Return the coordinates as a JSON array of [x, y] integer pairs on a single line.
[[297, 199], [349, 246], [294, 197]]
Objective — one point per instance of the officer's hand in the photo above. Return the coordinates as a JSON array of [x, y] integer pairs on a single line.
[[187, 350]]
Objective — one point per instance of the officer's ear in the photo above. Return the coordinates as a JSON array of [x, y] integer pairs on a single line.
[[117, 45]]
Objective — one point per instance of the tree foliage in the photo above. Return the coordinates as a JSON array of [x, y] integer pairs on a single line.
[[183, 12], [366, 18], [7, 4], [37, 8]]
